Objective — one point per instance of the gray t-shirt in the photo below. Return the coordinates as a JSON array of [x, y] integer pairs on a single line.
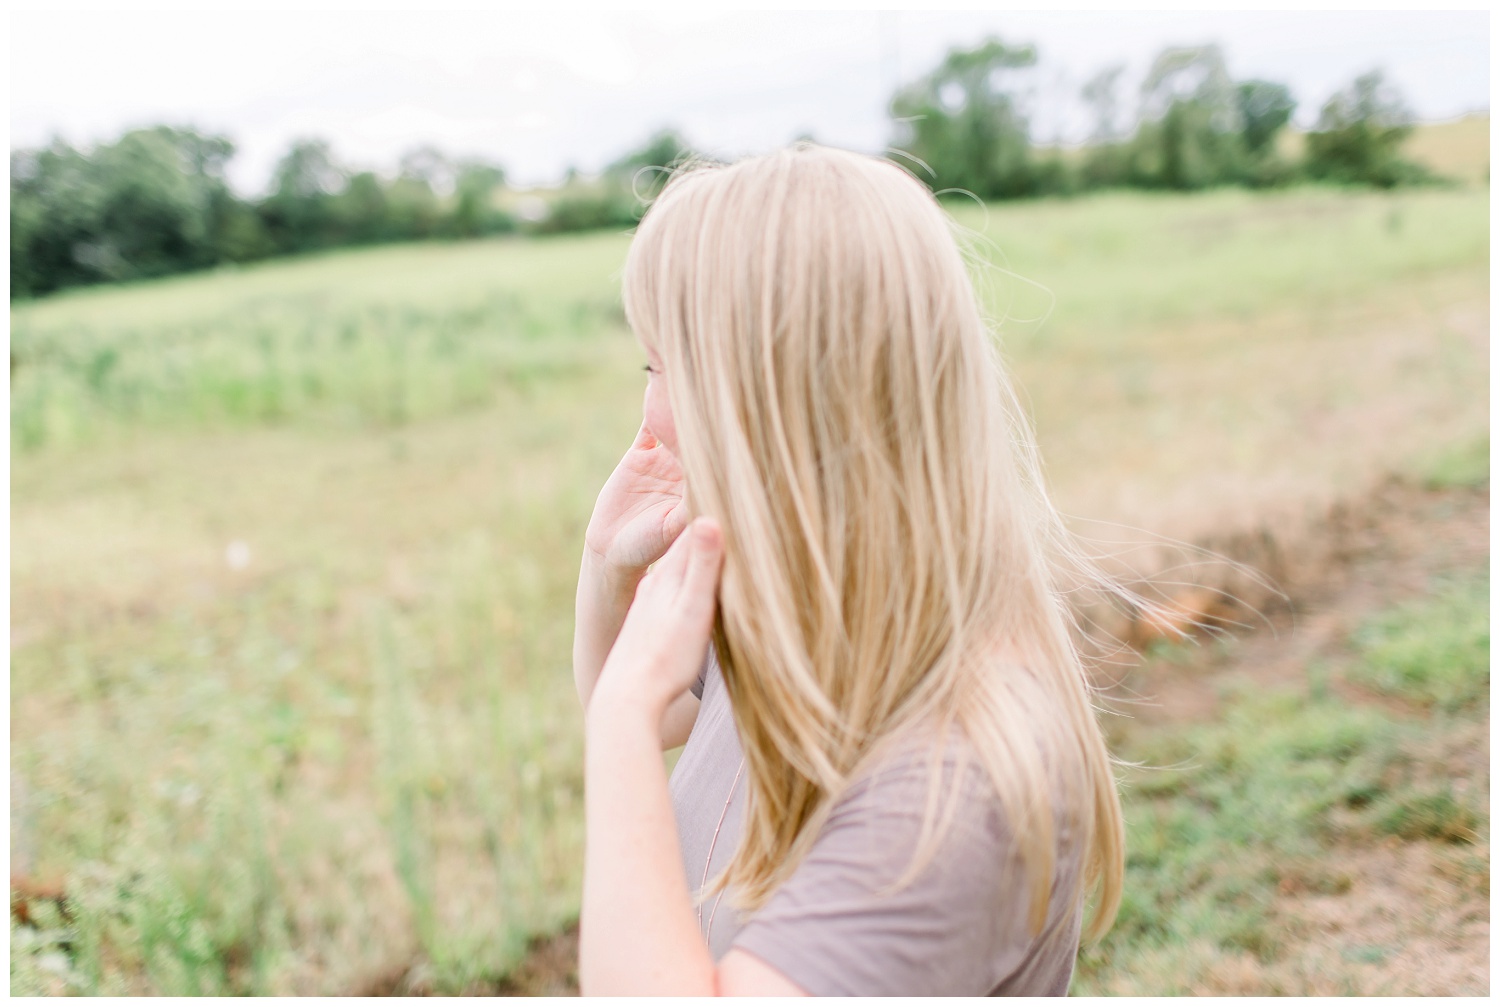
[[833, 928]]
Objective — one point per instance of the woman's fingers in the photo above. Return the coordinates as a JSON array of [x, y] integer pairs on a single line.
[[670, 568], [675, 521], [661, 645], [691, 566], [701, 579]]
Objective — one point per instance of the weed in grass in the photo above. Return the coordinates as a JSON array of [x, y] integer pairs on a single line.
[[1317, 680], [1433, 814], [1435, 653], [1466, 867], [1465, 465], [1297, 875], [1366, 954]]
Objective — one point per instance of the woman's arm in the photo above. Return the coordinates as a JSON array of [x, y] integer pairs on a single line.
[[638, 932]]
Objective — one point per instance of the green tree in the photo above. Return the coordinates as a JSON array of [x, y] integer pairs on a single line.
[[153, 202], [1359, 136], [431, 167], [1107, 162], [1102, 95], [302, 211], [157, 217], [1190, 129], [965, 121], [156, 201], [1265, 108], [55, 208], [644, 171], [474, 211], [412, 204], [362, 210], [308, 170], [618, 196]]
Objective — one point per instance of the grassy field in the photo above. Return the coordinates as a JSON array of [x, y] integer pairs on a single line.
[[293, 548]]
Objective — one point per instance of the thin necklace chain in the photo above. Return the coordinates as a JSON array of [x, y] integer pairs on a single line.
[[712, 843]]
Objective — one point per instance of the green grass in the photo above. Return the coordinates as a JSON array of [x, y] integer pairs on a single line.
[[1224, 815], [1466, 465], [361, 751], [1435, 653]]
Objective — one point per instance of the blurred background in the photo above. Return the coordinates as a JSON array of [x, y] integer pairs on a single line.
[[318, 361]]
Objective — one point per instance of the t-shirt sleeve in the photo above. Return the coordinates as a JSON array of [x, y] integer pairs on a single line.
[[958, 929]]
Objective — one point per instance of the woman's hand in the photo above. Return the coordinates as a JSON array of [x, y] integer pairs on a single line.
[[640, 511], [664, 640]]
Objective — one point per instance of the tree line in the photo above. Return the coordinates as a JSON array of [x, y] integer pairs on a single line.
[[156, 201], [967, 126]]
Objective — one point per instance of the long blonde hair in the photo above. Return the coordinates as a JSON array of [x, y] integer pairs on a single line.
[[892, 558]]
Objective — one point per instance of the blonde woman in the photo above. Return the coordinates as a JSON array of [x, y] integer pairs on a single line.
[[893, 781]]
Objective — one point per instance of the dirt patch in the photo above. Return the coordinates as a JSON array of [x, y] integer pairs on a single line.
[[1289, 598], [550, 969], [1410, 924]]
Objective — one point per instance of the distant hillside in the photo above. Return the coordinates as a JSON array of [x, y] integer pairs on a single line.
[[1460, 149]]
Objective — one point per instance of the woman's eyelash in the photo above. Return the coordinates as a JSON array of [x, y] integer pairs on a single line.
[[649, 369]]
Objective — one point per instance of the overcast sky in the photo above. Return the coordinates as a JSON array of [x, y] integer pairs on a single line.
[[541, 92]]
